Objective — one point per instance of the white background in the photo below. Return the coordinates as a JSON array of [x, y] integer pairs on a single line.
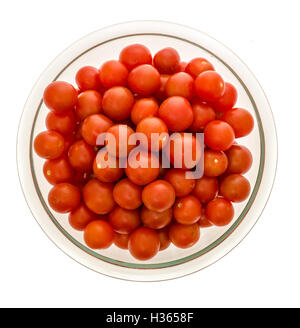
[[264, 270]]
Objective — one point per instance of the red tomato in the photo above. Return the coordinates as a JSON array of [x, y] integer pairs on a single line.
[[160, 94], [218, 135], [135, 55], [121, 240], [163, 235], [62, 123], [64, 197], [219, 211], [99, 234], [120, 147], [113, 73], [124, 221], [197, 66], [144, 80], [143, 108], [206, 189], [150, 126], [98, 196], [69, 140], [158, 196], [240, 120], [60, 96], [117, 103], [127, 194], [215, 163], [49, 144], [203, 221], [103, 168], [187, 210], [87, 78], [166, 61], [180, 84], [144, 243], [228, 100], [177, 113], [184, 235], [235, 188], [145, 172], [209, 86], [80, 217], [93, 126], [81, 156], [58, 170], [239, 159], [89, 102], [203, 114], [182, 185], [182, 66], [80, 179], [185, 151], [156, 220]]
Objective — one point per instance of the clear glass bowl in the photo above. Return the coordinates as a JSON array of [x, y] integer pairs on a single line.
[[214, 242]]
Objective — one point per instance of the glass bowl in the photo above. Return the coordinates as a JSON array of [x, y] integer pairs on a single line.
[[214, 242]]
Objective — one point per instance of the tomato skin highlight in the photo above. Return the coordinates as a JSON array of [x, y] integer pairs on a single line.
[[99, 234], [144, 243], [187, 210], [228, 100], [215, 163], [49, 144], [58, 170], [197, 66], [209, 86]]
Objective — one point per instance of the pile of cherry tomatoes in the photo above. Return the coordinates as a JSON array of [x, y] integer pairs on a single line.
[[144, 209]]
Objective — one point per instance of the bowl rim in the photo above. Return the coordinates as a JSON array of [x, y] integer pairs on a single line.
[[145, 25]]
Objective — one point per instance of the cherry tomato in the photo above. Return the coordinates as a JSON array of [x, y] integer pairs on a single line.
[[121, 240], [113, 73], [156, 220], [209, 86], [80, 217], [203, 114], [177, 113], [187, 210], [144, 243], [93, 126], [150, 126], [144, 80], [124, 221], [239, 159], [218, 135], [127, 194], [197, 66], [64, 197], [60, 96], [180, 84], [240, 120], [99, 234], [121, 133], [182, 185], [81, 156], [166, 61], [163, 235], [203, 221], [235, 188], [98, 196], [160, 94], [184, 235], [69, 140], [206, 189], [228, 100], [185, 151], [147, 168], [105, 168], [215, 163], [49, 144], [87, 78], [219, 211], [58, 170], [182, 66], [143, 108], [158, 195], [89, 102], [62, 123], [80, 179], [117, 103], [135, 55]]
